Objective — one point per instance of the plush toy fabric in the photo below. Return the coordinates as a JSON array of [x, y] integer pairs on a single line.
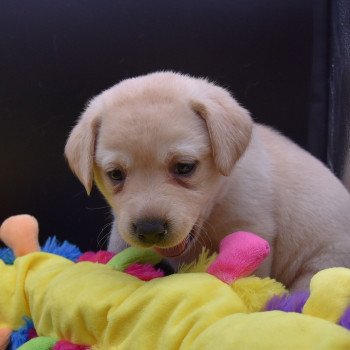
[[96, 306]]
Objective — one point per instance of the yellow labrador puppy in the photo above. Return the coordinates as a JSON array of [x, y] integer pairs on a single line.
[[182, 164]]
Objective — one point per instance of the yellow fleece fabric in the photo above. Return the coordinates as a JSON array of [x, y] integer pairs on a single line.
[[92, 304]]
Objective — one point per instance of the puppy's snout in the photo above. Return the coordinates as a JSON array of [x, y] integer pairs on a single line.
[[150, 231]]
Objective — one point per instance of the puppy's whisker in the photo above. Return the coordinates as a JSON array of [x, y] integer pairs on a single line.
[[200, 241], [200, 234], [102, 242], [209, 235], [206, 237], [98, 208], [81, 193], [207, 223], [102, 236]]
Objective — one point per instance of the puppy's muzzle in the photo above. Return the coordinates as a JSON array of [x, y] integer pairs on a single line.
[[150, 231]]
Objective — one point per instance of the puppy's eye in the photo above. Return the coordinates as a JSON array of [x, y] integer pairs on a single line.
[[184, 169], [116, 175]]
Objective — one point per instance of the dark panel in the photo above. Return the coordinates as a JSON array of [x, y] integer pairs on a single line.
[[319, 101], [339, 111]]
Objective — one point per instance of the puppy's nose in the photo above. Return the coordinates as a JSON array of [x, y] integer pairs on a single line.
[[150, 231]]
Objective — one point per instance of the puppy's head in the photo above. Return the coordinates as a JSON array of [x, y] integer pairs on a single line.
[[157, 147]]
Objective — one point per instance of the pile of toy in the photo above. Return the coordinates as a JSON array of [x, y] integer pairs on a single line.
[[56, 297]]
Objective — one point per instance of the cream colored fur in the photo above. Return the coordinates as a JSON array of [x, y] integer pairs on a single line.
[[249, 177]]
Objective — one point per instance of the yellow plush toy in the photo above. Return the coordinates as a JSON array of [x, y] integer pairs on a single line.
[[101, 308]]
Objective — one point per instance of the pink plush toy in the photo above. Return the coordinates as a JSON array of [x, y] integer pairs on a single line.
[[240, 255]]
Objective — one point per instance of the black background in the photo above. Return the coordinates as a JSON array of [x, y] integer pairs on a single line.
[[55, 55]]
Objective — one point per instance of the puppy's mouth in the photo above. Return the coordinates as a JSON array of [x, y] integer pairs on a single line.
[[178, 249]]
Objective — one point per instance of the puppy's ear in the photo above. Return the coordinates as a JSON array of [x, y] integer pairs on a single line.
[[229, 125], [80, 146]]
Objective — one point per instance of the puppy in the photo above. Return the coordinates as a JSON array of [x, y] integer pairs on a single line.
[[182, 164]]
